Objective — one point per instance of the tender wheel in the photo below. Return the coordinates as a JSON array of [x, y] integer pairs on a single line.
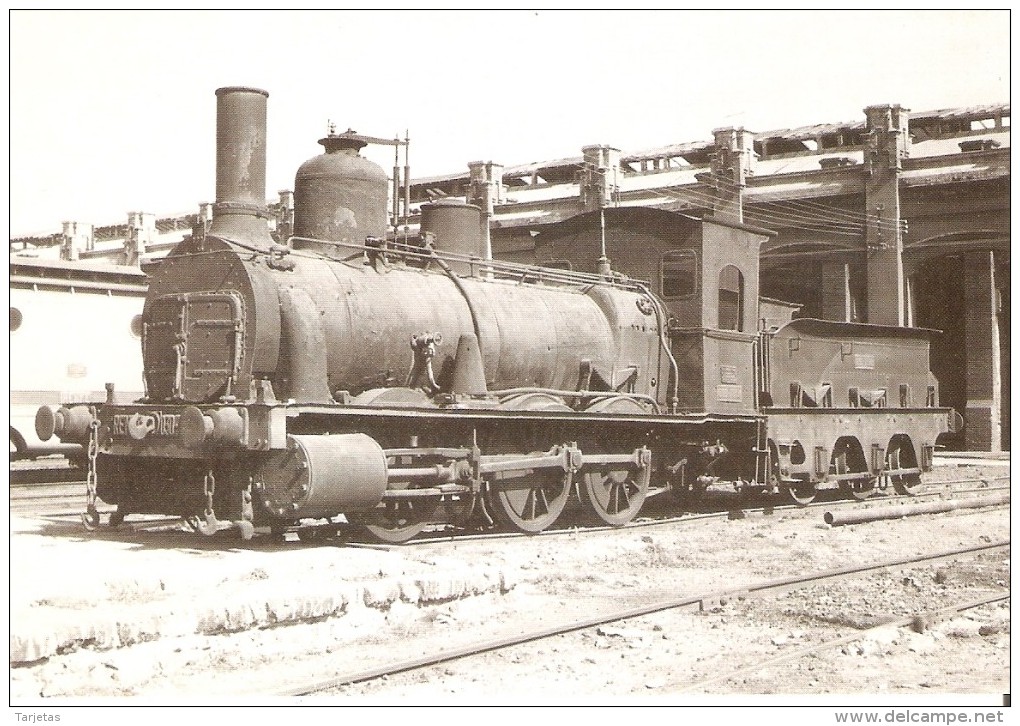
[[396, 520], [906, 484], [613, 496], [531, 502], [802, 493], [844, 461], [859, 489]]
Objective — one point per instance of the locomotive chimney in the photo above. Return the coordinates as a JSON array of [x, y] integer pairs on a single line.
[[240, 211]]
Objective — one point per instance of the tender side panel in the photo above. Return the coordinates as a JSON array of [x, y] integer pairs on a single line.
[[805, 438], [816, 364]]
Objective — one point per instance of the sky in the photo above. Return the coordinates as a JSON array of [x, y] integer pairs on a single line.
[[114, 111]]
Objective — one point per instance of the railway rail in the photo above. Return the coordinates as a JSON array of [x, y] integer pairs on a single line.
[[726, 505], [704, 601], [59, 491], [762, 665]]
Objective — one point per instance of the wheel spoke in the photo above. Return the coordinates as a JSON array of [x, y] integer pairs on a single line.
[[396, 521], [618, 492], [532, 502], [613, 497]]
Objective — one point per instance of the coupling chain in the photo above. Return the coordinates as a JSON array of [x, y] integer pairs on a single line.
[[210, 489], [210, 526], [91, 516]]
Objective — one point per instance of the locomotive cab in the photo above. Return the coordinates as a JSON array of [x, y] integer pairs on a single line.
[[706, 273], [712, 289]]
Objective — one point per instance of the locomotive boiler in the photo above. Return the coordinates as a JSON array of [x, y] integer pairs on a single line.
[[397, 385]]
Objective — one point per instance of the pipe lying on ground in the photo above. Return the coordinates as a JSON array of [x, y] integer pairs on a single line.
[[872, 515]]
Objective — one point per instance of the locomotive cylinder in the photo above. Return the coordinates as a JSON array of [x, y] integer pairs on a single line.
[[339, 196], [322, 475], [240, 210]]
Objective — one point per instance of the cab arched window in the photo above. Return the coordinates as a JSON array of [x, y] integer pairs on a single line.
[[731, 299], [678, 274]]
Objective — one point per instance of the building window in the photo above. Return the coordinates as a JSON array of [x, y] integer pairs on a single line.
[[731, 299], [15, 319], [678, 274]]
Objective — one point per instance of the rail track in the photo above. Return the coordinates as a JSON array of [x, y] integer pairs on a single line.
[[702, 602], [734, 507], [927, 618], [59, 491]]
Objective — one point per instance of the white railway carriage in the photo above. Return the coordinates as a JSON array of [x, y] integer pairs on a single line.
[[74, 328]]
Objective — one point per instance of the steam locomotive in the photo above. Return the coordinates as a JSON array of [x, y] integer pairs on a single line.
[[402, 385]]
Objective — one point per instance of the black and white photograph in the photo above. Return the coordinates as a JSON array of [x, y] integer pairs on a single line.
[[510, 359]]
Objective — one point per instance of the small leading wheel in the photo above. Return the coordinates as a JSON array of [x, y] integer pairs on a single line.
[[613, 496], [530, 502], [801, 492], [396, 520]]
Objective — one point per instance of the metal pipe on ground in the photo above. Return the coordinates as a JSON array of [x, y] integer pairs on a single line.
[[873, 515]]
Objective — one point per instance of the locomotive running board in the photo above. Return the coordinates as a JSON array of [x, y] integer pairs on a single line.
[[480, 414]]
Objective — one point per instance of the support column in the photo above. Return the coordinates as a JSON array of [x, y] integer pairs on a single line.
[[486, 191], [887, 144], [983, 417], [732, 163], [600, 178], [76, 238], [842, 291], [836, 301], [141, 232]]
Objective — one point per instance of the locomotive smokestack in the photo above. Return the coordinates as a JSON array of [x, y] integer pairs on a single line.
[[240, 211]]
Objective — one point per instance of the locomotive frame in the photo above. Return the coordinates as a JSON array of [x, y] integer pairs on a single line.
[[406, 385]]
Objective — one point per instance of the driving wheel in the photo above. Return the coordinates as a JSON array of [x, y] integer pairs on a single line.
[[531, 500]]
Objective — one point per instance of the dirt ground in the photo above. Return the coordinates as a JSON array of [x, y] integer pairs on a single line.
[[664, 657]]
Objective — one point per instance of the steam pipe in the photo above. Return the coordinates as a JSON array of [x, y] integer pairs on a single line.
[[661, 321], [407, 180], [873, 515], [396, 187]]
